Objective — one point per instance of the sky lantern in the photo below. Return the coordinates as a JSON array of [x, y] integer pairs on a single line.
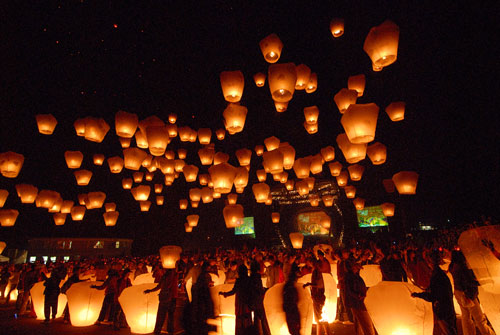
[[396, 111], [353, 153], [38, 300], [82, 177], [232, 198], [66, 206], [311, 128], [2, 246], [46, 123], [193, 134], [296, 239], [59, 218], [160, 199], [328, 153], [115, 164], [171, 130], [206, 155], [192, 220], [149, 176], [110, 206], [356, 171], [73, 159], [195, 194], [79, 126], [83, 198], [272, 143], [344, 98], [316, 164], [271, 47], [27, 193], [359, 203], [381, 44], [169, 256], [207, 195], [280, 106], [303, 74], [220, 133], [244, 156], [311, 114], [282, 79], [406, 182], [335, 168], [172, 118], [84, 303], [46, 198], [203, 178], [312, 85], [144, 205], [275, 217], [8, 217], [141, 192], [222, 176], [77, 213], [310, 182], [389, 185], [234, 118], [158, 188], [126, 124], [190, 173], [133, 158], [158, 140], [360, 122], [357, 83], [241, 178], [342, 178], [204, 135], [388, 209], [394, 311], [233, 215], [290, 184], [124, 142], [110, 218], [302, 167], [98, 159], [187, 228], [140, 139], [327, 200], [96, 199], [56, 207], [152, 120], [269, 200], [183, 204], [195, 204], [350, 191], [288, 155], [261, 175], [138, 176], [259, 150], [232, 83], [127, 183], [3, 197], [273, 161], [302, 187], [167, 166], [95, 129], [314, 200], [260, 79], [337, 27], [181, 153], [377, 152], [11, 164], [261, 192], [283, 177]]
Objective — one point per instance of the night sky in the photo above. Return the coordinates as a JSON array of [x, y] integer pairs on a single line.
[[92, 58]]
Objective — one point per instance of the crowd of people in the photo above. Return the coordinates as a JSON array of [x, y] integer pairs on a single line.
[[418, 259]]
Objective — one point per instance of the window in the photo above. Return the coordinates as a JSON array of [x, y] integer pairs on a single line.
[[99, 245], [66, 258], [70, 244], [45, 258], [117, 244], [32, 259], [53, 259], [61, 244]]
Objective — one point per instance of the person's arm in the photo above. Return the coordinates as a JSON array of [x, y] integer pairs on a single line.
[[154, 289], [103, 286]]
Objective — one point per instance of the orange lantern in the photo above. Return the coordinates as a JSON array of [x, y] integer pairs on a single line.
[[381, 44], [360, 122], [311, 128], [160, 199], [181, 154], [272, 143], [312, 85], [337, 27], [8, 217], [328, 153], [27, 193], [195, 204], [357, 83], [84, 303], [149, 176], [271, 47], [11, 164], [96, 199], [327, 200], [232, 198], [77, 213], [98, 159], [59, 218], [95, 129], [406, 182], [126, 124], [344, 98], [303, 74], [388, 209], [195, 194], [261, 175], [275, 217], [353, 153], [204, 135], [396, 111], [244, 156], [316, 164], [260, 79], [141, 139], [46, 123], [207, 195], [222, 176], [359, 203], [342, 178], [302, 167], [167, 166], [79, 126], [169, 256], [282, 79], [171, 130], [261, 192], [350, 192], [311, 114], [158, 188], [233, 215], [133, 158], [115, 164], [73, 159], [325, 222], [190, 173], [138, 176], [110, 206], [377, 152], [3, 197], [188, 228], [280, 106], [124, 142], [184, 133], [172, 118], [145, 205], [82, 177], [192, 135], [283, 177], [356, 172], [232, 83], [310, 182], [221, 134], [389, 185], [314, 200], [192, 220], [110, 218], [183, 203], [302, 187], [234, 118], [148, 163], [47, 198], [66, 206], [83, 199], [203, 179], [259, 150], [241, 179], [206, 155], [273, 161], [141, 192], [56, 208], [335, 168], [297, 239], [158, 139], [289, 185], [127, 183], [288, 155]]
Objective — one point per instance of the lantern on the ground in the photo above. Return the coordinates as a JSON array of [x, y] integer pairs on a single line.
[[232, 198], [234, 118], [66, 206], [350, 191], [312, 85], [311, 114], [389, 185], [296, 239], [359, 203], [357, 83], [241, 178], [260, 79], [141, 192], [396, 111], [145, 205], [110, 218], [342, 178], [11, 164], [96, 199], [95, 129], [77, 213], [273, 161], [46, 123], [73, 159], [233, 215], [222, 176], [303, 74], [138, 176], [381, 44], [59, 218], [282, 79], [204, 135], [406, 182], [38, 300], [356, 171], [3, 197], [337, 27], [190, 173], [289, 185], [244, 156], [206, 155], [115, 164], [360, 122], [84, 303], [316, 164], [353, 153], [27, 193], [388, 209], [335, 168], [261, 192], [183, 203], [126, 124], [302, 167], [232, 83], [328, 153], [8, 217], [327, 200], [344, 98], [82, 177], [377, 152], [280, 106], [221, 134], [192, 220], [110, 206], [275, 217], [311, 128], [169, 256], [271, 47]]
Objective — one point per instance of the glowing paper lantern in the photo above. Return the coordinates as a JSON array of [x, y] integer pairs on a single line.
[[79, 126], [280, 106], [115, 164], [272, 143], [337, 27], [59, 219], [371, 274], [221, 134], [204, 135], [124, 142], [133, 158], [66, 206], [203, 178], [389, 185], [160, 199], [46, 123], [206, 155], [282, 79], [171, 130], [224, 308], [302, 167], [359, 203], [271, 47], [141, 192], [259, 150], [172, 118], [296, 239], [95, 129], [269, 201], [169, 256], [222, 176], [183, 203], [158, 139], [381, 44], [327, 200], [221, 157], [311, 114], [328, 153], [261, 192], [138, 176], [8, 217], [273, 161], [195, 204], [260, 79], [314, 200], [192, 220], [312, 85], [126, 124], [127, 183], [232, 83], [190, 173], [356, 172], [275, 217], [353, 153], [195, 194], [234, 118], [329, 310], [141, 139], [158, 188], [288, 155], [38, 299], [98, 159], [302, 187], [357, 83], [316, 164], [377, 152], [207, 195], [96, 199], [84, 303], [56, 208], [167, 166], [335, 168], [82, 199], [73, 159], [2, 246], [289, 185], [47, 198], [261, 175], [350, 191], [388, 209], [303, 74], [244, 156], [83, 177], [233, 215], [110, 218], [360, 122], [184, 133], [232, 198], [344, 98], [145, 205], [407, 315], [27, 193], [396, 111], [3, 197], [11, 164], [311, 128], [149, 176], [406, 182]]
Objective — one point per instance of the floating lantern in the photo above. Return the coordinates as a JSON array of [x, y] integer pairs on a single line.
[[316, 164], [260, 79], [190, 173], [110, 206], [77, 213], [269, 200], [371, 274], [282, 79], [195, 204], [158, 139], [302, 187], [350, 191], [158, 188], [259, 150], [47, 198], [288, 155], [183, 203], [302, 167], [232, 198], [27, 193], [353, 153], [95, 129], [389, 185], [261, 192], [82, 199], [11, 164], [207, 195], [273, 161], [314, 200], [271, 47], [169, 256], [337, 27], [79, 126], [124, 142], [203, 179], [311, 114], [110, 218], [359, 203], [82, 177], [388, 209], [56, 208], [3, 197], [234, 118], [115, 164], [360, 122], [381, 44], [310, 182], [356, 172], [396, 111], [149, 176], [327, 200], [275, 217], [311, 128], [357, 83], [241, 178], [187, 228], [171, 130], [96, 199], [148, 163], [232, 83], [312, 85], [344, 98], [145, 205], [8, 217], [377, 152], [328, 153], [133, 158], [206, 155], [233, 215], [244, 156], [73, 159], [283, 177], [2, 246], [261, 175], [192, 220], [222, 176], [126, 124], [342, 178], [38, 300], [160, 199], [46, 123], [172, 118], [303, 74], [204, 135], [141, 139], [221, 134], [127, 183], [297, 239], [59, 218], [167, 166], [289, 185], [141, 192], [272, 143], [98, 159], [169, 179], [280, 106], [66, 206], [406, 182], [84, 303], [184, 133], [138, 176], [195, 194]]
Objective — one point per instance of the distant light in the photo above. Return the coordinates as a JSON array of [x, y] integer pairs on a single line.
[[115, 26]]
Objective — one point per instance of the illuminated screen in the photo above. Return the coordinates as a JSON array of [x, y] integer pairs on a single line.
[[246, 228], [372, 216], [309, 223]]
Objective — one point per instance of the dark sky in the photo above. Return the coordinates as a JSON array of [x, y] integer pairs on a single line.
[[92, 58]]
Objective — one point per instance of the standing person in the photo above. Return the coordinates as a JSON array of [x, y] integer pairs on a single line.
[[74, 278], [202, 307], [344, 313], [122, 283], [324, 264], [51, 294], [440, 294], [242, 309], [466, 292], [317, 285], [110, 287], [256, 299], [167, 297], [355, 293], [290, 301]]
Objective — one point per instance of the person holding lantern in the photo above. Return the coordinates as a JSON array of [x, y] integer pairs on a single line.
[[355, 294], [318, 293]]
